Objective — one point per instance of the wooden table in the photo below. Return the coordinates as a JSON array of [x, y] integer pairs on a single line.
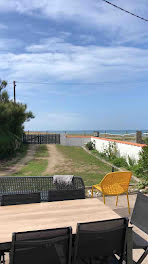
[[18, 218]]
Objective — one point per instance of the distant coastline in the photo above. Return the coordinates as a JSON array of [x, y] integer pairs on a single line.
[[89, 132]]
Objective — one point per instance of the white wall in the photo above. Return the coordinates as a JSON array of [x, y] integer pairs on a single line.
[[125, 149], [74, 141]]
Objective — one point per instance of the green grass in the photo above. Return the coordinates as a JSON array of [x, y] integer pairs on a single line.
[[82, 164], [34, 168], [41, 151]]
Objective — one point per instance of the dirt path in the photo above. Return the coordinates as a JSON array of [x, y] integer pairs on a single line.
[[55, 159], [8, 171]]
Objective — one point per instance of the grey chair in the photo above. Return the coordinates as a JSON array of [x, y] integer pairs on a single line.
[[14, 199], [140, 219], [42, 247], [98, 242]]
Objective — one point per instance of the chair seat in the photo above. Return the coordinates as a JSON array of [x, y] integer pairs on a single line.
[[139, 242], [98, 186], [111, 189]]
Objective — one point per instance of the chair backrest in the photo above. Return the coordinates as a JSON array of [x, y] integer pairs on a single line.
[[140, 212], [100, 239], [116, 182], [14, 199], [42, 247]]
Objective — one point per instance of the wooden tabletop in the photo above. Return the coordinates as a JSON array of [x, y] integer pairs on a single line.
[[18, 218]]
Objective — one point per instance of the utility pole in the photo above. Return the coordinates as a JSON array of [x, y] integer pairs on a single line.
[[14, 85]]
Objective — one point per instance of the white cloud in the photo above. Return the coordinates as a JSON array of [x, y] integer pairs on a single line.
[[115, 23], [60, 61]]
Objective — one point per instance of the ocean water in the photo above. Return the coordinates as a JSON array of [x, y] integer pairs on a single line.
[[111, 132], [87, 132]]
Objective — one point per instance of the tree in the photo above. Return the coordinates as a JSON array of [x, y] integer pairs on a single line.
[[4, 97], [12, 118]]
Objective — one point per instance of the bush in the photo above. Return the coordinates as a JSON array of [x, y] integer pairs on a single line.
[[12, 118], [142, 184], [90, 145], [8, 144], [137, 169], [120, 162], [131, 162], [146, 141], [111, 152], [142, 168]]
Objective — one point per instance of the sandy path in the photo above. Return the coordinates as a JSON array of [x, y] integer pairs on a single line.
[[55, 159], [8, 171]]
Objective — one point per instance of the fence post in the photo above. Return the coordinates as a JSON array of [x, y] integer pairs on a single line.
[[96, 134], [113, 169], [139, 137]]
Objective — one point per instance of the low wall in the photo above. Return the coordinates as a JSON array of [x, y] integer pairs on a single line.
[[125, 149], [79, 141]]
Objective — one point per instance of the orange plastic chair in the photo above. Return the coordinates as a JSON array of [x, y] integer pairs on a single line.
[[114, 183]]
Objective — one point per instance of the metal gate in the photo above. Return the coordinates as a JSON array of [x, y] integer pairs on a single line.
[[41, 138]]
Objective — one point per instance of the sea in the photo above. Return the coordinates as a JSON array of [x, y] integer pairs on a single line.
[[101, 131]]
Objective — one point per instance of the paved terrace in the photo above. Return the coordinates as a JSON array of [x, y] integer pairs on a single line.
[[122, 211]]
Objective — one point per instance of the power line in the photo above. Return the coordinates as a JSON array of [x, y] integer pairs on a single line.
[[89, 83], [142, 18], [48, 83]]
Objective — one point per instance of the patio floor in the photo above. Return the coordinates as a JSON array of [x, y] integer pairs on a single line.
[[122, 210]]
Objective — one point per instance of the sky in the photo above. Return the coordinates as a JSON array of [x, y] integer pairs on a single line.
[[78, 65]]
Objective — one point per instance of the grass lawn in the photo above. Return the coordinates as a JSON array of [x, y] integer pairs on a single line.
[[34, 168], [41, 151], [80, 163]]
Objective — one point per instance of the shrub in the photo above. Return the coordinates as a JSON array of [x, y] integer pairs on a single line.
[[141, 169], [146, 141], [90, 145], [131, 162], [120, 162], [142, 184], [12, 118], [143, 163], [111, 152], [7, 144], [137, 169]]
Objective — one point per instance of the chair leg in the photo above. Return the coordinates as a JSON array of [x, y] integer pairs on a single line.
[[92, 192], [117, 200], [104, 198], [2, 258], [128, 203]]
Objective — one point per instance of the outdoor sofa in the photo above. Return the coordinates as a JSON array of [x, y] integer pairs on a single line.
[[43, 185]]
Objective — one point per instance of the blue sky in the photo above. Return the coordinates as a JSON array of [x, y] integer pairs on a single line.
[[94, 56]]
